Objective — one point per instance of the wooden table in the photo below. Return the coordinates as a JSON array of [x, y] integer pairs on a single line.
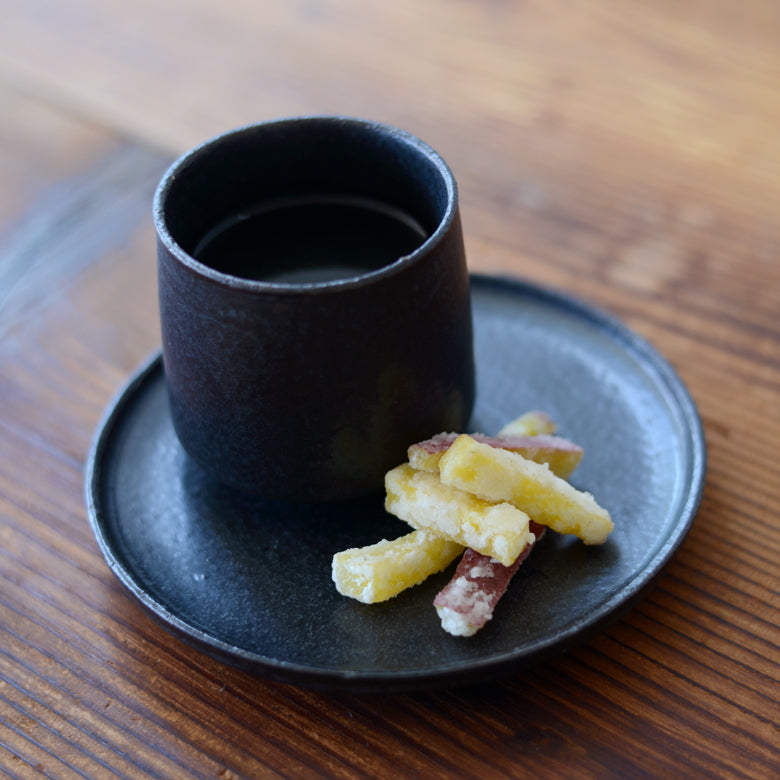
[[625, 152]]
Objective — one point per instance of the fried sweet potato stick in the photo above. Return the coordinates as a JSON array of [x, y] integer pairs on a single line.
[[561, 455], [380, 571], [529, 424], [499, 530], [468, 601], [499, 475]]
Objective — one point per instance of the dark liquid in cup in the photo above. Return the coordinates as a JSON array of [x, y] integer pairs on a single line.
[[310, 240]]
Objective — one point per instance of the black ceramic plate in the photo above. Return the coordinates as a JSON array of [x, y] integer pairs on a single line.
[[249, 581]]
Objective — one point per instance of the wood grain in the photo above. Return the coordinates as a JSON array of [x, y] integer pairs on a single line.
[[623, 152]]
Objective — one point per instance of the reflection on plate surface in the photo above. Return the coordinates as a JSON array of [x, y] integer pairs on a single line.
[[248, 581]]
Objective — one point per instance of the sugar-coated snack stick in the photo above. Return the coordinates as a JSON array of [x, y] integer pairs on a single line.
[[425, 455], [380, 571], [419, 498], [498, 475], [561, 455], [467, 602], [529, 424]]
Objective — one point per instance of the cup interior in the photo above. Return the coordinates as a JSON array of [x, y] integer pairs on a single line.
[[327, 165]]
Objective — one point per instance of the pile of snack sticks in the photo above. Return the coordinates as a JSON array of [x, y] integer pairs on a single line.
[[488, 499]]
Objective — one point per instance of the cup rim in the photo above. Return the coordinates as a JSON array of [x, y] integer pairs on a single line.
[[304, 288]]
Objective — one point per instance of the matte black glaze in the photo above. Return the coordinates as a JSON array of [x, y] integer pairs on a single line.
[[311, 392], [249, 580]]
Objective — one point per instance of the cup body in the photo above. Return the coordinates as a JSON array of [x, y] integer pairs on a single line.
[[312, 390]]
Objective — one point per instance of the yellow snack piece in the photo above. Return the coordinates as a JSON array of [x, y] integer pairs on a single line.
[[498, 475], [529, 424], [560, 455], [382, 570], [498, 530], [425, 455]]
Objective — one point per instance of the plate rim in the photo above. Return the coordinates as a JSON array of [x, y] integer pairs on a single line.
[[460, 672]]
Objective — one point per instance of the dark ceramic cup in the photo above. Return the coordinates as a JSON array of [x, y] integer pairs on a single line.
[[314, 301]]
